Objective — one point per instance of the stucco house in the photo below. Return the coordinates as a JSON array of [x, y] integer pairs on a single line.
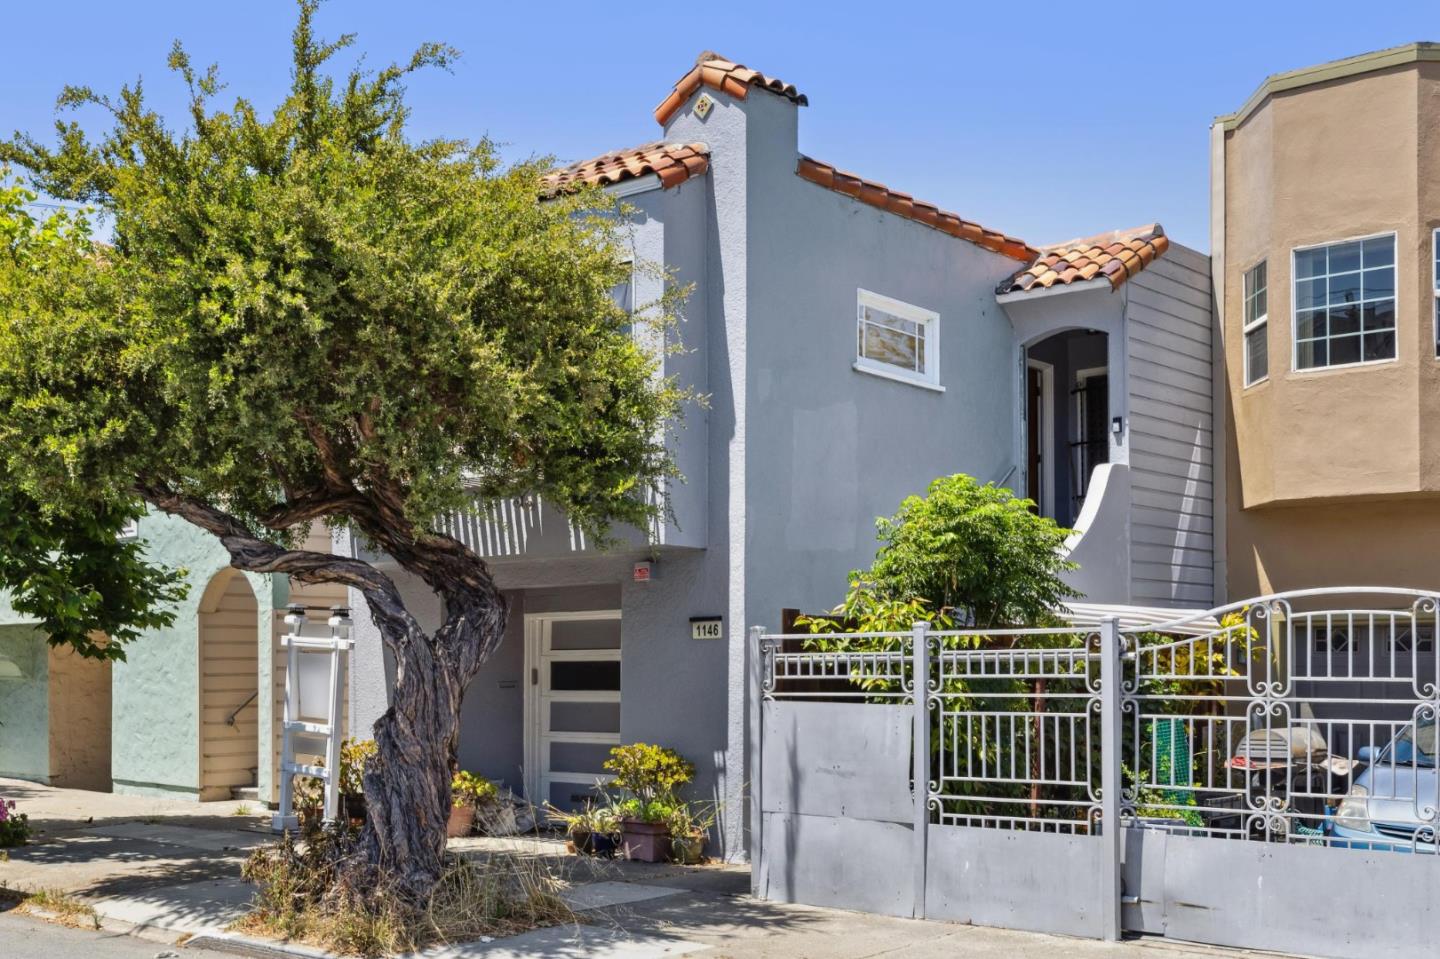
[[1325, 231], [854, 343]]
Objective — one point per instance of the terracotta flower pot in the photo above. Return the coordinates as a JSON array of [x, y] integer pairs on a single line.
[[645, 841], [462, 821]]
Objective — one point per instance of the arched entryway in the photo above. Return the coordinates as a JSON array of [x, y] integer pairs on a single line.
[[1067, 417], [229, 686]]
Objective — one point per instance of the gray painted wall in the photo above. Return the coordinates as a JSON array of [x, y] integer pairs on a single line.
[[1171, 428], [1159, 356]]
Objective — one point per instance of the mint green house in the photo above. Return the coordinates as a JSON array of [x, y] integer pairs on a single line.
[[193, 711]]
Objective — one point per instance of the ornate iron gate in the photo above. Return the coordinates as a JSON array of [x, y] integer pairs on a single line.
[[1209, 771]]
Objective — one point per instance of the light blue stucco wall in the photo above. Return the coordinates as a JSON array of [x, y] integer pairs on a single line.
[[156, 690], [24, 704]]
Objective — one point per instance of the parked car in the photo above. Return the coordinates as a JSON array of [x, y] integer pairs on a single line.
[[1383, 808]]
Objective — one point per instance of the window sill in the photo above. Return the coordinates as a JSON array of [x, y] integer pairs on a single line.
[[1311, 370], [898, 377]]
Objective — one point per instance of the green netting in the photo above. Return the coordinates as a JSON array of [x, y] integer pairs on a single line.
[[1173, 764]]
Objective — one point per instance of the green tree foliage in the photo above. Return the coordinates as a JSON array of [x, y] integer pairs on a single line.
[[978, 556], [307, 316], [962, 557], [61, 555]]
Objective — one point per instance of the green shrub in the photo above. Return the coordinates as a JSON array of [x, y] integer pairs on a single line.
[[649, 773], [468, 789], [978, 550]]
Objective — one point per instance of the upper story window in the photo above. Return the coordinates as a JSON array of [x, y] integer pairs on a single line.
[[623, 293], [1257, 347], [1345, 303], [1435, 282], [897, 340]]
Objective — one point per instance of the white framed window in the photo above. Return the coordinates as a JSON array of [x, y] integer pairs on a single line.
[[1344, 303], [131, 530], [1435, 283], [897, 340], [1257, 327]]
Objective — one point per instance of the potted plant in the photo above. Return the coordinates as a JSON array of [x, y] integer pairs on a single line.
[[589, 831], [649, 775], [645, 829], [690, 825], [467, 790]]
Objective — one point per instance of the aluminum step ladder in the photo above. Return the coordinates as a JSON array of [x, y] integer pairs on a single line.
[[316, 656]]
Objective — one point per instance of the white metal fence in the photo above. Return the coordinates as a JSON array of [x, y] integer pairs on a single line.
[[1258, 745]]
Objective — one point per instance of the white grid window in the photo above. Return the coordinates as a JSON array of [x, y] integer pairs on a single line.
[[1257, 347], [897, 340], [1345, 303]]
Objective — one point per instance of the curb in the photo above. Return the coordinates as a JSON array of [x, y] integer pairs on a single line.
[[238, 945]]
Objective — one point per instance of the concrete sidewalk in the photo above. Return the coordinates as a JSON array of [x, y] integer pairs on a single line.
[[169, 870]]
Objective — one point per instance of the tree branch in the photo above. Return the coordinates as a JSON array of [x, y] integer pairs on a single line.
[[307, 507], [253, 554]]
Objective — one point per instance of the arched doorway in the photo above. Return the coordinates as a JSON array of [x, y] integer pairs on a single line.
[[1067, 417], [229, 686]]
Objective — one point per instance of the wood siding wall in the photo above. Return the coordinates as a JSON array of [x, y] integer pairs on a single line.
[[1171, 431], [229, 673]]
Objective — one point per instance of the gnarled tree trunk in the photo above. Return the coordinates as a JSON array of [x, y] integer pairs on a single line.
[[407, 783]]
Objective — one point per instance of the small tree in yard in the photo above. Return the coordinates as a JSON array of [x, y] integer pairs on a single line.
[[962, 556], [308, 317], [974, 555]]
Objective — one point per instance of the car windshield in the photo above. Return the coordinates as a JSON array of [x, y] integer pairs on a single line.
[[1415, 745]]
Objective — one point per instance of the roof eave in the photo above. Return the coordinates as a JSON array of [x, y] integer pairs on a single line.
[[1334, 70], [1055, 289]]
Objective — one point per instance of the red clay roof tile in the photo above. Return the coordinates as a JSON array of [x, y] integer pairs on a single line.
[[736, 79], [672, 162], [902, 204], [1117, 256]]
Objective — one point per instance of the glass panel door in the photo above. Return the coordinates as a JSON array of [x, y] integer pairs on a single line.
[[575, 681]]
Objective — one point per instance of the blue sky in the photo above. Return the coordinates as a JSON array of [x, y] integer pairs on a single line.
[[1046, 121]]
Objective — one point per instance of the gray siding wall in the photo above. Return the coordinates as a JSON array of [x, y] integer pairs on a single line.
[[1168, 332]]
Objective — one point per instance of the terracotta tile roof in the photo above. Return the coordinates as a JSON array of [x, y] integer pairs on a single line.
[[672, 162], [1116, 256], [902, 204], [736, 79]]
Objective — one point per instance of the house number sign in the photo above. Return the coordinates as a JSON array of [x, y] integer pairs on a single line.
[[705, 627]]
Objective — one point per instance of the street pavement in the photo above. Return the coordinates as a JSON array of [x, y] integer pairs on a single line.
[[22, 937]]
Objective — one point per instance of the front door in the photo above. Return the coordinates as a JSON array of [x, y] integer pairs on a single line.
[[572, 704]]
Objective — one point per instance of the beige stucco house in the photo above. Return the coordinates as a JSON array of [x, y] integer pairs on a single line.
[[1325, 189]]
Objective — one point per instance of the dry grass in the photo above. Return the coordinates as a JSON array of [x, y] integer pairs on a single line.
[[58, 907], [316, 893]]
